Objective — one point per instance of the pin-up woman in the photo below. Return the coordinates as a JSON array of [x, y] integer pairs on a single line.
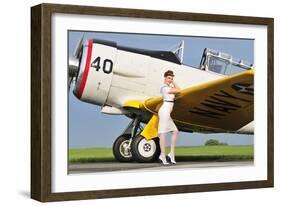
[[166, 123]]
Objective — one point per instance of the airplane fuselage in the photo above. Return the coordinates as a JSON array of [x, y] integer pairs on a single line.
[[110, 75]]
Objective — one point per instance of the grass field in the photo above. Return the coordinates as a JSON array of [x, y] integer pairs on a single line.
[[200, 153]]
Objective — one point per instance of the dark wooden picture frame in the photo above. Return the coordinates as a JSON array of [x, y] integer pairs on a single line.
[[41, 118]]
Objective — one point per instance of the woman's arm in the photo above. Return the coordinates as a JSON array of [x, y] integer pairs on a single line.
[[176, 89]]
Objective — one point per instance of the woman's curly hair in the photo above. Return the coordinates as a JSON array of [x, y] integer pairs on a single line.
[[169, 73]]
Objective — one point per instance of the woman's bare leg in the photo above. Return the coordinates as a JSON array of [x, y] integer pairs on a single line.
[[163, 145], [173, 144]]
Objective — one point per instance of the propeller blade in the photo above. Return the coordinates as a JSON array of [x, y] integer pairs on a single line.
[[73, 61], [78, 47], [73, 65], [69, 82]]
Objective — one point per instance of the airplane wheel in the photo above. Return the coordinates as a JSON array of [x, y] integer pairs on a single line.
[[121, 151], [145, 151]]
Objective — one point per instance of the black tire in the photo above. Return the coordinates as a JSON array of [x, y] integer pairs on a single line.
[[145, 151], [119, 153]]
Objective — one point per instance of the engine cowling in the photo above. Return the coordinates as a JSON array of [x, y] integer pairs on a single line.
[[95, 72]]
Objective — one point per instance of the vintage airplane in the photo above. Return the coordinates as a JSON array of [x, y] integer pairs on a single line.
[[217, 97]]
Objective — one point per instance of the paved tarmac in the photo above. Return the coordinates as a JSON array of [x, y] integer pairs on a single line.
[[117, 166]]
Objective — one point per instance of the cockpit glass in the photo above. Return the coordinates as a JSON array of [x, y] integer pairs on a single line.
[[217, 65], [223, 66]]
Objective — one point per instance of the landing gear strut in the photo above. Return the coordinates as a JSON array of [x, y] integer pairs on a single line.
[[130, 145]]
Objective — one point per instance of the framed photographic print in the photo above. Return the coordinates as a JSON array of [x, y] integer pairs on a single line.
[[113, 91]]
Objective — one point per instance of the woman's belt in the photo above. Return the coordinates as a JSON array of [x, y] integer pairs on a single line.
[[169, 101]]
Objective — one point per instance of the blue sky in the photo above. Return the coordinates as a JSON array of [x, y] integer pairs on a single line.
[[88, 128]]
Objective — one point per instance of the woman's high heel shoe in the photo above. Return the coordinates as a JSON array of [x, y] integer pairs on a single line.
[[164, 162], [173, 161]]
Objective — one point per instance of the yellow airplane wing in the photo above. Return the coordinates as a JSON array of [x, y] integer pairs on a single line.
[[222, 105]]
